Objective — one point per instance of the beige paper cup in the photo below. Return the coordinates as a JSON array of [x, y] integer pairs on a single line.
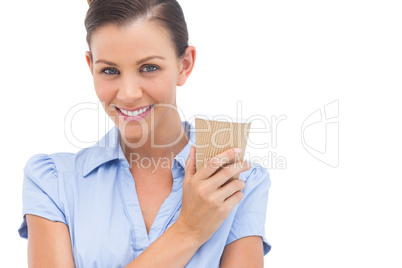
[[216, 136]]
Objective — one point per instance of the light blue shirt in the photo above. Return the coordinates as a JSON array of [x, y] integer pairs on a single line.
[[93, 193]]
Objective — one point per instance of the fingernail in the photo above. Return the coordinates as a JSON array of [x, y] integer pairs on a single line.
[[237, 150]]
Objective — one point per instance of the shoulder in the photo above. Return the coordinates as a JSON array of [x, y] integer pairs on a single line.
[[255, 195], [49, 184], [42, 162], [250, 215], [42, 172], [41, 165], [257, 175]]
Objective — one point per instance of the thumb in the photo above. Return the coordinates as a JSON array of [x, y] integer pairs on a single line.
[[190, 162]]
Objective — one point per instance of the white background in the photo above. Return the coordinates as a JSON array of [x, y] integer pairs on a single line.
[[279, 58]]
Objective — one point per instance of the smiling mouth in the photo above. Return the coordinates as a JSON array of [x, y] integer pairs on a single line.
[[134, 113]]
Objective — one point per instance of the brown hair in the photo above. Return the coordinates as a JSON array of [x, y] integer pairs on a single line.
[[166, 13]]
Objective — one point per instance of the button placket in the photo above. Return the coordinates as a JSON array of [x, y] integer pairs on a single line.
[[133, 210], [166, 211]]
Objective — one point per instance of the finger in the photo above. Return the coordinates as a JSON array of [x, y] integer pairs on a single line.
[[227, 172], [229, 189], [190, 162], [213, 164], [233, 200]]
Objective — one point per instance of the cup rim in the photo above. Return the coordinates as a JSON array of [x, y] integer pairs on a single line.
[[222, 118]]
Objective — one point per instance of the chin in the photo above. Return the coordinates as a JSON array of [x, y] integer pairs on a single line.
[[134, 129]]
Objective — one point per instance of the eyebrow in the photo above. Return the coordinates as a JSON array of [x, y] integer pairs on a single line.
[[138, 62]]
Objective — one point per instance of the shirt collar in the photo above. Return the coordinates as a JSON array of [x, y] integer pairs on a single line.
[[108, 148]]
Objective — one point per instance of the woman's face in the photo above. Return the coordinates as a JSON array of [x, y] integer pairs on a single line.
[[136, 66]]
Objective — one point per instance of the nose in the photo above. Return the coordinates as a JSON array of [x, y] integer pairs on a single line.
[[129, 89]]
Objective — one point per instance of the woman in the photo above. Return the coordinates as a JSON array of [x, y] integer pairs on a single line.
[[134, 199]]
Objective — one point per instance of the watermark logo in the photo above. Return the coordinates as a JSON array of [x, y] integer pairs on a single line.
[[229, 132], [320, 134]]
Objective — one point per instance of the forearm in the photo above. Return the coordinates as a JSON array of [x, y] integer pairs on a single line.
[[174, 248]]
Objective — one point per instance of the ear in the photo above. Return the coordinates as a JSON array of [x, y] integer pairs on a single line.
[[187, 64], [88, 59]]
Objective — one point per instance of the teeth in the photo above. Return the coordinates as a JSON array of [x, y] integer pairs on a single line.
[[135, 113]]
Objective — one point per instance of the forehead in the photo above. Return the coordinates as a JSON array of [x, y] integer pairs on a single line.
[[131, 42]]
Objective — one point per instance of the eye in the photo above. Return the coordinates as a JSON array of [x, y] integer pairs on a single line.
[[149, 69], [110, 71]]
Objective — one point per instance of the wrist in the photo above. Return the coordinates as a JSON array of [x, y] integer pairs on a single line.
[[184, 233]]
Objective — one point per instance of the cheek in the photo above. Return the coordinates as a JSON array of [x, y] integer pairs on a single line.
[[162, 87], [104, 90]]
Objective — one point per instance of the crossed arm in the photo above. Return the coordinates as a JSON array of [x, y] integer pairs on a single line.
[[49, 246]]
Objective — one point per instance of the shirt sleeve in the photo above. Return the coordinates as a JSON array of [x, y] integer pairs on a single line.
[[250, 216], [40, 195]]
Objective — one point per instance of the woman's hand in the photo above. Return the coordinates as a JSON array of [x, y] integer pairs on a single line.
[[205, 204]]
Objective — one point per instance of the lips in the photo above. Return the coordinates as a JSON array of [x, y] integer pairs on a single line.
[[128, 115], [136, 109]]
